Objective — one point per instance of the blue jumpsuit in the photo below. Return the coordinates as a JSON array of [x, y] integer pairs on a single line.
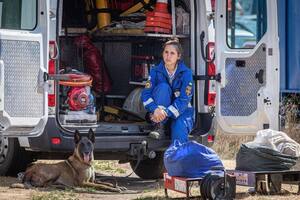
[[174, 96]]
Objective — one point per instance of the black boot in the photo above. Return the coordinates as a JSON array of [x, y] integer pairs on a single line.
[[148, 117], [158, 131]]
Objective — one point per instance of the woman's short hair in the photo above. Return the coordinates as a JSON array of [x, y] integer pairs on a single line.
[[175, 42]]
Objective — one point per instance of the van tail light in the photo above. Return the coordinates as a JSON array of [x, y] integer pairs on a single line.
[[211, 71], [55, 140], [213, 5], [210, 138], [51, 70]]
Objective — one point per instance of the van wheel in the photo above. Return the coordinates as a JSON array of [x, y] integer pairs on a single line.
[[13, 158], [150, 168]]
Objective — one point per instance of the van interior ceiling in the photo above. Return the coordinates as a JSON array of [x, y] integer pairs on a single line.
[[108, 57]]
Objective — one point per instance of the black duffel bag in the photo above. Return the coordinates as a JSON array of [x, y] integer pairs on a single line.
[[254, 158]]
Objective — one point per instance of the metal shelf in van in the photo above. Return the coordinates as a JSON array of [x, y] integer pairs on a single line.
[[137, 83], [139, 35], [80, 31], [72, 31]]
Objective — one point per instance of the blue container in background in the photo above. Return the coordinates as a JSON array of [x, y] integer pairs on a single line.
[[289, 30]]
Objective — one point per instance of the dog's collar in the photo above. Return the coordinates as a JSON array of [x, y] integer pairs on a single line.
[[70, 165]]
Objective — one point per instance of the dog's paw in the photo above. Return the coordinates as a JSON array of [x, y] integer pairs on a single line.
[[18, 185], [122, 188], [104, 183]]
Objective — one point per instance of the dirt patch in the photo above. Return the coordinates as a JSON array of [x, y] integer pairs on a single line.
[[226, 146], [109, 171], [143, 190]]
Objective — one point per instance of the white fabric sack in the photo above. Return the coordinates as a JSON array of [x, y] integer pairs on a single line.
[[278, 141]]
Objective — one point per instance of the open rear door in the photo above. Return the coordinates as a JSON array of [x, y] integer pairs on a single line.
[[247, 58], [23, 61]]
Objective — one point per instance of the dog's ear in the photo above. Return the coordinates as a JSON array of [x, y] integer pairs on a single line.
[[91, 135], [77, 137]]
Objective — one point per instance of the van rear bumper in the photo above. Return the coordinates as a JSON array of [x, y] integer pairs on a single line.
[[103, 144], [110, 147]]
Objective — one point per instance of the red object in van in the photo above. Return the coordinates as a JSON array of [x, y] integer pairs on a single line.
[[78, 98], [159, 20], [121, 5], [94, 64]]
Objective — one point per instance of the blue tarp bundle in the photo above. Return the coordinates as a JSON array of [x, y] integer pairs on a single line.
[[190, 159]]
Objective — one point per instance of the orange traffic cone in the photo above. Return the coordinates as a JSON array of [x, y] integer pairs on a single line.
[[160, 20]]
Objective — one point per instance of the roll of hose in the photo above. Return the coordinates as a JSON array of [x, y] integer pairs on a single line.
[[103, 18], [76, 80], [212, 187]]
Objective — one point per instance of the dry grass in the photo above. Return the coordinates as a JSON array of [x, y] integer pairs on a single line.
[[293, 131], [109, 166], [290, 114], [227, 146], [56, 195]]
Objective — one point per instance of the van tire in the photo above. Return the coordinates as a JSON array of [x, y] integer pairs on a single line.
[[15, 159], [149, 168]]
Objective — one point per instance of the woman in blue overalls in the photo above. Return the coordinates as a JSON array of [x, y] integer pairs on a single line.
[[168, 93]]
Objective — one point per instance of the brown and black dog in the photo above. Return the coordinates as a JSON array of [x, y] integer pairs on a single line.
[[75, 171]]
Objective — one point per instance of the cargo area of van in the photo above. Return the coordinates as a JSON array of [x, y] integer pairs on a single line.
[[110, 59]]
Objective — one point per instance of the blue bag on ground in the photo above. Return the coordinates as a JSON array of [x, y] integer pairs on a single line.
[[190, 159]]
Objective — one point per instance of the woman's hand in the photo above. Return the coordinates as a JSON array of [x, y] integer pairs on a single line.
[[159, 115]]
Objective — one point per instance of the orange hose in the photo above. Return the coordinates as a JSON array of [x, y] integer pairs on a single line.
[[77, 80]]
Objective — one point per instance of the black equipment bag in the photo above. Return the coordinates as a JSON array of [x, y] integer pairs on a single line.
[[254, 158]]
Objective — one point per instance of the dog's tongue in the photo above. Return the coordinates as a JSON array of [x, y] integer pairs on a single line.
[[86, 158]]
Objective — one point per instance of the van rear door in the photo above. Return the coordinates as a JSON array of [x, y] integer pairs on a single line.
[[23, 61], [247, 58]]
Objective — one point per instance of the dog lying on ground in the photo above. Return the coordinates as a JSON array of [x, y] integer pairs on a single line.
[[75, 171]]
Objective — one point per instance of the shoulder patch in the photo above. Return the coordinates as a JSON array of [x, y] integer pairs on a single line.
[[148, 84], [188, 90]]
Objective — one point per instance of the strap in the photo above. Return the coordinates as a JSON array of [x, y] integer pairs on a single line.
[[147, 6]]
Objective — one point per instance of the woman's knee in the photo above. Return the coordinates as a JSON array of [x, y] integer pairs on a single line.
[[163, 87], [162, 94]]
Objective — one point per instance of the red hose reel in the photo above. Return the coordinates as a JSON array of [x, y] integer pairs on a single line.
[[78, 95], [78, 99]]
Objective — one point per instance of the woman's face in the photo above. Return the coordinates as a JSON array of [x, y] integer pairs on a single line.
[[170, 56]]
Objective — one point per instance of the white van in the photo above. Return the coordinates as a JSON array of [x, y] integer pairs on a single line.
[[36, 47]]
